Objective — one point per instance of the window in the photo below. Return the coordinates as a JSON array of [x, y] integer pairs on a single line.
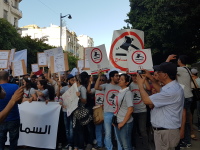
[[5, 14], [15, 22]]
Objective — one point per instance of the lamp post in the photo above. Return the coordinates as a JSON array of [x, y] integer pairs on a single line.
[[69, 17]]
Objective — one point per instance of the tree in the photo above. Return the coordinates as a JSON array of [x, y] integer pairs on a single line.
[[10, 38], [169, 26]]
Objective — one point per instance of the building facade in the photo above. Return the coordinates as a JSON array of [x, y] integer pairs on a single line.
[[9, 9], [85, 41], [52, 36]]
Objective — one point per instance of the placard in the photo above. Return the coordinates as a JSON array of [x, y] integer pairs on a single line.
[[52, 52], [59, 63], [4, 54], [70, 99], [80, 65], [97, 58], [35, 67], [86, 61], [12, 55], [42, 60], [19, 68], [122, 41], [139, 59], [3, 64]]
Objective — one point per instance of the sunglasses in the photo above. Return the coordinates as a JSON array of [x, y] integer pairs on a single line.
[[101, 80]]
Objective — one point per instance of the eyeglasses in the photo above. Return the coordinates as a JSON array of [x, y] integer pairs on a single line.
[[133, 75], [101, 80]]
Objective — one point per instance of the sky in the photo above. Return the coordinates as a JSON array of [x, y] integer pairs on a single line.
[[95, 18]]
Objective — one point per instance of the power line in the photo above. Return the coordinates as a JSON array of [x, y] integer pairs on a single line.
[[48, 7]]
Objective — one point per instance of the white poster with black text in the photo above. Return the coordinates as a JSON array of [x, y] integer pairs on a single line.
[[38, 124]]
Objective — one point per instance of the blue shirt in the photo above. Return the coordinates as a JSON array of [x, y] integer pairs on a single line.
[[168, 106], [10, 90]]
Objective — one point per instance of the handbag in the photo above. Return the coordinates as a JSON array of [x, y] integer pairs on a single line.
[[114, 118], [196, 90], [98, 114], [83, 115]]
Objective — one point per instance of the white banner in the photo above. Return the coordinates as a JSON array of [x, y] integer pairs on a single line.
[[20, 55], [122, 41], [39, 124], [70, 99], [35, 67], [139, 59], [97, 58]]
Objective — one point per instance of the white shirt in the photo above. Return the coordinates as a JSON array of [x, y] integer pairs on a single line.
[[168, 103]]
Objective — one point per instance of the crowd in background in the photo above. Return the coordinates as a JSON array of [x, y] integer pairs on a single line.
[[122, 98]]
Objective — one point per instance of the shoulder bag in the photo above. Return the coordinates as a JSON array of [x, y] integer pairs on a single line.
[[114, 118], [196, 90]]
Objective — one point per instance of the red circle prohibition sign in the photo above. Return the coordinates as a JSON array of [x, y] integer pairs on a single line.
[[114, 91], [100, 55], [114, 43], [145, 57]]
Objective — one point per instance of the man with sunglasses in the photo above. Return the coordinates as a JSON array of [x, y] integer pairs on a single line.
[[166, 116]]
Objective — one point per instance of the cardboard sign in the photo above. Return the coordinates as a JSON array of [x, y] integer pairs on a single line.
[[19, 68], [59, 63], [12, 55], [35, 67], [122, 41], [42, 60], [3, 64], [86, 61], [70, 99], [80, 65], [97, 58], [52, 52], [139, 59], [4, 54]]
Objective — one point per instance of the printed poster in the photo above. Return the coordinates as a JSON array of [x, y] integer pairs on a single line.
[[97, 58], [139, 59]]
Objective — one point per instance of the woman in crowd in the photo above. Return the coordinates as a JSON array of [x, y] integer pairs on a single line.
[[99, 98], [42, 92], [29, 93], [124, 113]]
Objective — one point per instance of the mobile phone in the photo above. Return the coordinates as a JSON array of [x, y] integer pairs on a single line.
[[140, 71]]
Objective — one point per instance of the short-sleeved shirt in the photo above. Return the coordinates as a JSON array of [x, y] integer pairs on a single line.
[[83, 93], [183, 77], [139, 105], [99, 96], [168, 106], [127, 102], [29, 92], [10, 90], [46, 95], [64, 89], [110, 97]]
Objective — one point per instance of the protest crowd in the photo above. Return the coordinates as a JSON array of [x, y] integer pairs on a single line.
[[113, 108]]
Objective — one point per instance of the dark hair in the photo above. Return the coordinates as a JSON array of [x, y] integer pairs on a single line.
[[4, 75], [84, 78], [44, 83], [127, 78], [34, 76], [184, 59], [112, 74], [28, 83], [172, 77]]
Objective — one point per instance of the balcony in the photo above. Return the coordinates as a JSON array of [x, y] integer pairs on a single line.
[[16, 11]]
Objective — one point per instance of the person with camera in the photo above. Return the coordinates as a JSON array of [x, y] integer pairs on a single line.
[[166, 116], [124, 121], [140, 112]]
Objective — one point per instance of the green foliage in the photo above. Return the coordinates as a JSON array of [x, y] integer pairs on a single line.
[[169, 26], [9, 38]]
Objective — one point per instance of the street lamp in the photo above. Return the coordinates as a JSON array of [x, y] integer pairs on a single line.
[[69, 17]]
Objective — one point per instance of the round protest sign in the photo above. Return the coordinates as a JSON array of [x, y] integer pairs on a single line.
[[121, 45], [96, 55]]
